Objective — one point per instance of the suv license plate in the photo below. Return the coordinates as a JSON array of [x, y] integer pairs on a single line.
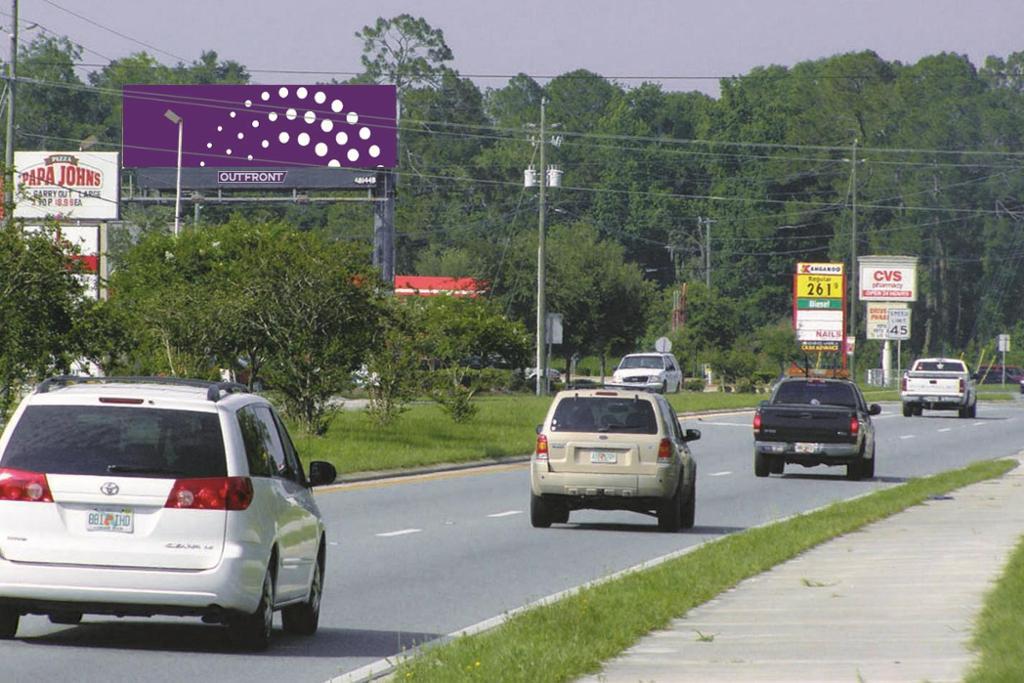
[[601, 457], [120, 520], [803, 447]]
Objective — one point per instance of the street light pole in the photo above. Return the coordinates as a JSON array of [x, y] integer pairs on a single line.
[[177, 120], [541, 365]]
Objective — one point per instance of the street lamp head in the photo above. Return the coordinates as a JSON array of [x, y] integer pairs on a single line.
[[172, 117]]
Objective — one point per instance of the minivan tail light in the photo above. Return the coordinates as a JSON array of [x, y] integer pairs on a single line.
[[664, 452], [27, 487], [211, 493], [541, 452]]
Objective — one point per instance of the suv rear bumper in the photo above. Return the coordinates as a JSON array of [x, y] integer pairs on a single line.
[[602, 485], [233, 586], [642, 386]]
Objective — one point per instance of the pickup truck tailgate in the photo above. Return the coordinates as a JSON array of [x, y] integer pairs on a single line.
[[822, 424]]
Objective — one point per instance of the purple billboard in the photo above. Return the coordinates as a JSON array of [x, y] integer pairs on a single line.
[[260, 125]]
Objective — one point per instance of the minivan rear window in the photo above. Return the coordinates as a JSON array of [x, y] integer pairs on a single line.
[[139, 442], [606, 415]]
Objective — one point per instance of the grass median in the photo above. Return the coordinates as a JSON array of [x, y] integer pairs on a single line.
[[425, 435], [999, 631], [572, 637]]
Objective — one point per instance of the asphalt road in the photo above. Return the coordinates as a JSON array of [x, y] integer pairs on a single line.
[[414, 559]]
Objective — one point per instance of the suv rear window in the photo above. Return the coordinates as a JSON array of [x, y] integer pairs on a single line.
[[611, 415], [142, 442], [646, 362]]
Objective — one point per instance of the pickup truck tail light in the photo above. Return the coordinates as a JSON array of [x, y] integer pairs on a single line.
[[961, 386], [903, 384], [854, 426], [664, 452], [541, 451], [757, 421]]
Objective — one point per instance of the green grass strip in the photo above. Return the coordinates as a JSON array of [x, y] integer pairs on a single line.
[[999, 632], [574, 636]]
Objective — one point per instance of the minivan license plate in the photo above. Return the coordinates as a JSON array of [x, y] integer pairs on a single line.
[[603, 457], [120, 520]]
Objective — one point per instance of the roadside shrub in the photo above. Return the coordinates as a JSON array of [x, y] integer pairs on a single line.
[[746, 386], [694, 384]]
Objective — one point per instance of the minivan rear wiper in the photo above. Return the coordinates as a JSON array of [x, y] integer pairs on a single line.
[[130, 469]]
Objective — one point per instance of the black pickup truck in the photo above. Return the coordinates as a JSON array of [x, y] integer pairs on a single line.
[[812, 421]]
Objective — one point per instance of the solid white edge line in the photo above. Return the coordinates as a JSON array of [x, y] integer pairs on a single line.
[[400, 532]]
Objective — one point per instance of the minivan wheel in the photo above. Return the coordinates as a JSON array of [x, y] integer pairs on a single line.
[[302, 619], [540, 512], [670, 514], [252, 632], [8, 623]]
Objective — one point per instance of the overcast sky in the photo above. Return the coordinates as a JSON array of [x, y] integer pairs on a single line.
[[701, 40]]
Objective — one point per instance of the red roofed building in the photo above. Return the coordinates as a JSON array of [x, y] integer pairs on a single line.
[[426, 285]]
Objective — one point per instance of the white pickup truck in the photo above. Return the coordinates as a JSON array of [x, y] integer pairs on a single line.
[[938, 384]]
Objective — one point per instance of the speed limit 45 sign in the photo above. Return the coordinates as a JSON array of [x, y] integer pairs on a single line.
[[898, 324]]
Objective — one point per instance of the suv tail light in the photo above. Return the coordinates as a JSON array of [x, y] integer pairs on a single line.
[[541, 451], [757, 421], [28, 487], [664, 452], [854, 425], [211, 493]]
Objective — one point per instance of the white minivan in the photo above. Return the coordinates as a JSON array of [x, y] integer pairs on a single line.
[[147, 496]]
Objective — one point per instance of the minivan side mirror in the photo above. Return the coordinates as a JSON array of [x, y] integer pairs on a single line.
[[321, 473], [874, 409], [691, 435]]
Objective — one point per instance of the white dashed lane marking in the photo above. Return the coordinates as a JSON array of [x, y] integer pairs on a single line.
[[400, 532], [946, 429], [719, 474], [907, 436], [509, 513]]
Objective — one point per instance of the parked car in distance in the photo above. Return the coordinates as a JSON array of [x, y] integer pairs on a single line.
[[938, 384], [158, 496], [553, 374], [613, 450], [813, 421], [653, 371], [993, 374]]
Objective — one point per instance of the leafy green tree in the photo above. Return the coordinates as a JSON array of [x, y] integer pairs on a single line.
[[458, 330], [39, 302], [394, 363], [404, 50]]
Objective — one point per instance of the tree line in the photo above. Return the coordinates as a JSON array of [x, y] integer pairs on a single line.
[[660, 187]]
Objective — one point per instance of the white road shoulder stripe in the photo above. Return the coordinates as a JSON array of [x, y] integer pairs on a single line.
[[400, 532]]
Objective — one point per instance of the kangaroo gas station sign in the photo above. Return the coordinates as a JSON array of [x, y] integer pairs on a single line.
[[819, 306]]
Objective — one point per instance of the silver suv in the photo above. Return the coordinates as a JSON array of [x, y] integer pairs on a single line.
[[613, 450], [146, 496]]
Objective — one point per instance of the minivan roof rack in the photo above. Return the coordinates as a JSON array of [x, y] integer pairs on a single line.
[[213, 389]]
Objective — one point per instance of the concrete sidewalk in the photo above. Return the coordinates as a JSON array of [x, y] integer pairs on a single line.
[[895, 601]]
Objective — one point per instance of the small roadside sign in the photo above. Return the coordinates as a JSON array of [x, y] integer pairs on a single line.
[[898, 324]]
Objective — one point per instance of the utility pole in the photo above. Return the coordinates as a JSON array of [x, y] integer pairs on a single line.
[[706, 224], [853, 260], [542, 370], [9, 154]]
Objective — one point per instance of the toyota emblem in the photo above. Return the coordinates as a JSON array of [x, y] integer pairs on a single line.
[[109, 488]]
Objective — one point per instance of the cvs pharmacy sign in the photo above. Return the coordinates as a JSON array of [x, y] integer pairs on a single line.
[[888, 279]]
